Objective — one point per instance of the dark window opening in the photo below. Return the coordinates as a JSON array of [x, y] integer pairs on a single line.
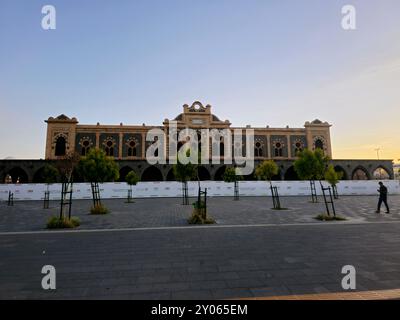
[[60, 146]]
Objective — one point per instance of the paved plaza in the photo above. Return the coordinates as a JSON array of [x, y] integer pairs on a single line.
[[169, 212], [146, 250]]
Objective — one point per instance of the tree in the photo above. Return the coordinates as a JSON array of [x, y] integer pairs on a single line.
[[97, 168], [333, 177], [311, 165], [231, 176], [185, 173], [67, 165], [305, 164], [131, 179], [321, 164], [265, 171]]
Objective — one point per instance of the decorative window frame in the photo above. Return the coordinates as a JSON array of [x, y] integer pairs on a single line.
[[82, 140], [274, 147], [302, 144], [322, 138], [57, 135], [114, 143], [259, 140], [137, 145]]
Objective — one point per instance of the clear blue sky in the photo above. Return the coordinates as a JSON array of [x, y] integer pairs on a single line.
[[256, 62]]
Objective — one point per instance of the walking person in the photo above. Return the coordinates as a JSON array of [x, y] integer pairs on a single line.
[[383, 192]]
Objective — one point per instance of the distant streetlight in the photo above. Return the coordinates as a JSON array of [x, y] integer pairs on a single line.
[[377, 152]]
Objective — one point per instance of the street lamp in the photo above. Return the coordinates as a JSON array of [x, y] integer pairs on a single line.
[[377, 152]]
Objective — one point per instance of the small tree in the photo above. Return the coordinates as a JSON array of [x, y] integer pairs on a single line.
[[266, 171], [131, 179], [97, 168], [184, 173], [321, 164], [67, 166], [333, 177], [231, 176], [311, 165]]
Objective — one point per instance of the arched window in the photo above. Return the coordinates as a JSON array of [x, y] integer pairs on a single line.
[[278, 149], [132, 150], [319, 144], [109, 148], [298, 147], [258, 150], [60, 147], [85, 147], [221, 149]]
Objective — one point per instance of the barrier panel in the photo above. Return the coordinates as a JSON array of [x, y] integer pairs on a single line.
[[174, 189]]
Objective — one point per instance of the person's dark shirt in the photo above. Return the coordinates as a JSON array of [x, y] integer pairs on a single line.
[[383, 191]]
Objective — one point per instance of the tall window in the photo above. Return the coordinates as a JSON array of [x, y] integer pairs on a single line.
[[60, 146], [132, 151], [85, 147], [278, 149], [319, 144], [298, 147], [258, 150], [109, 148]]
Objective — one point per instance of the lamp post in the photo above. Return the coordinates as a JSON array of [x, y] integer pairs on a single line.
[[377, 154]]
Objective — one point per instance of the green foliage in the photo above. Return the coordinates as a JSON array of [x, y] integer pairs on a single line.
[[266, 170], [50, 174], [98, 209], [304, 165], [57, 223], [198, 216], [132, 178], [325, 217], [231, 176], [321, 164], [311, 165], [333, 176], [97, 167], [184, 172]]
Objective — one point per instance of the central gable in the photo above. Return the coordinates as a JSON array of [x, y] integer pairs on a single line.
[[199, 116]]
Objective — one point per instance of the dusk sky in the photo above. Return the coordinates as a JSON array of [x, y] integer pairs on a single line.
[[259, 62]]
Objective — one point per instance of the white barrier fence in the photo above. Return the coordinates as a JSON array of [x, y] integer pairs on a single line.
[[174, 189]]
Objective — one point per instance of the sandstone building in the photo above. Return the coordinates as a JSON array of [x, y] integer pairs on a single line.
[[127, 144]]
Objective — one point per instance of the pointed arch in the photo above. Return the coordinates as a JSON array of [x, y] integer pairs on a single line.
[[152, 173], [360, 173], [204, 175], [123, 172], [381, 173], [218, 176], [18, 175], [291, 174]]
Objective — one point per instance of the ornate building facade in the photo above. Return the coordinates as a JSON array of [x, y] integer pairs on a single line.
[[128, 145], [128, 142]]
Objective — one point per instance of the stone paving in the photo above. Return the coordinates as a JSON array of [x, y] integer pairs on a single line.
[[169, 212], [252, 251], [201, 263]]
